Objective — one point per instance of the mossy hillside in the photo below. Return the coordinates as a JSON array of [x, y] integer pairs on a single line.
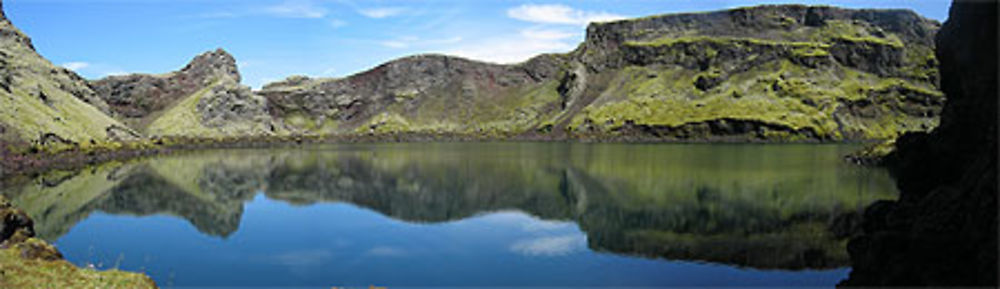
[[39, 98], [22, 272], [781, 92], [508, 112], [300, 122], [28, 118], [186, 119], [671, 99]]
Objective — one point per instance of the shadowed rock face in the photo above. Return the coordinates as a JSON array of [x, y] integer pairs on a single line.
[[943, 230]]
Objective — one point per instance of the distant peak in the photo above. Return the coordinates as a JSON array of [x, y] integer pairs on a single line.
[[216, 62]]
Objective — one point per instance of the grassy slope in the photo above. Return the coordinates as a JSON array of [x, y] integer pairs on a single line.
[[19, 272], [805, 97], [28, 116], [508, 112], [183, 119]]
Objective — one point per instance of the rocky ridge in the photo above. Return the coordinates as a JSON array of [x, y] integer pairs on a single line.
[[766, 73]]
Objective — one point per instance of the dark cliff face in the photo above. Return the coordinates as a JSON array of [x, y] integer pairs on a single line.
[[943, 230]]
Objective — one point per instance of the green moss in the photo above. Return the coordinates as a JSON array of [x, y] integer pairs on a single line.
[[671, 41], [810, 52], [496, 114], [779, 93], [894, 42], [184, 119], [20, 272]]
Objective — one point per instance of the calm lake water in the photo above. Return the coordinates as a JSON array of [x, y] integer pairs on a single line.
[[464, 214]]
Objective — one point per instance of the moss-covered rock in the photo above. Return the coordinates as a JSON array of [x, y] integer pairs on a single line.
[[45, 105], [27, 262]]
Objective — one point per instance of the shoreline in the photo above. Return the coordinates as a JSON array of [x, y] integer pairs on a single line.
[[30, 164]]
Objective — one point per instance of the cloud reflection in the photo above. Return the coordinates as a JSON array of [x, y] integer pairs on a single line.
[[550, 246]]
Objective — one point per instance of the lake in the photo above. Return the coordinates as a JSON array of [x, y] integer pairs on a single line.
[[465, 214]]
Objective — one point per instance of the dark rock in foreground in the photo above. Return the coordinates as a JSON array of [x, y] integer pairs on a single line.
[[943, 230]]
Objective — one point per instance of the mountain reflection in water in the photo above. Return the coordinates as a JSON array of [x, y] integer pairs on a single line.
[[760, 206]]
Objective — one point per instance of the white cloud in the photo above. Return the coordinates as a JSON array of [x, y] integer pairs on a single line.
[[559, 14], [549, 246], [296, 9], [75, 66], [546, 34], [518, 47], [115, 73], [410, 41], [221, 14], [337, 23], [382, 12], [287, 9], [543, 225]]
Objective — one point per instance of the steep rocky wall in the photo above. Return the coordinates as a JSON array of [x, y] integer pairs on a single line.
[[943, 229], [772, 23]]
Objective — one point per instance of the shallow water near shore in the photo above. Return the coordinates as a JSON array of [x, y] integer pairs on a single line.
[[465, 214]]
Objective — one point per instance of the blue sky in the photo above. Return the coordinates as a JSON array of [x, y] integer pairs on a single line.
[[273, 39]]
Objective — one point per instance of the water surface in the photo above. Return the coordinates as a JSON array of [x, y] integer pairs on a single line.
[[465, 214]]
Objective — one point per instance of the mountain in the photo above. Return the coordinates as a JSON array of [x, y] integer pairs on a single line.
[[770, 73], [46, 105], [203, 99], [765, 73]]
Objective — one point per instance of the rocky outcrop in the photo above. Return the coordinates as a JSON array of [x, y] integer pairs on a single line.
[[803, 72], [139, 95], [943, 229], [27, 262], [203, 99]]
